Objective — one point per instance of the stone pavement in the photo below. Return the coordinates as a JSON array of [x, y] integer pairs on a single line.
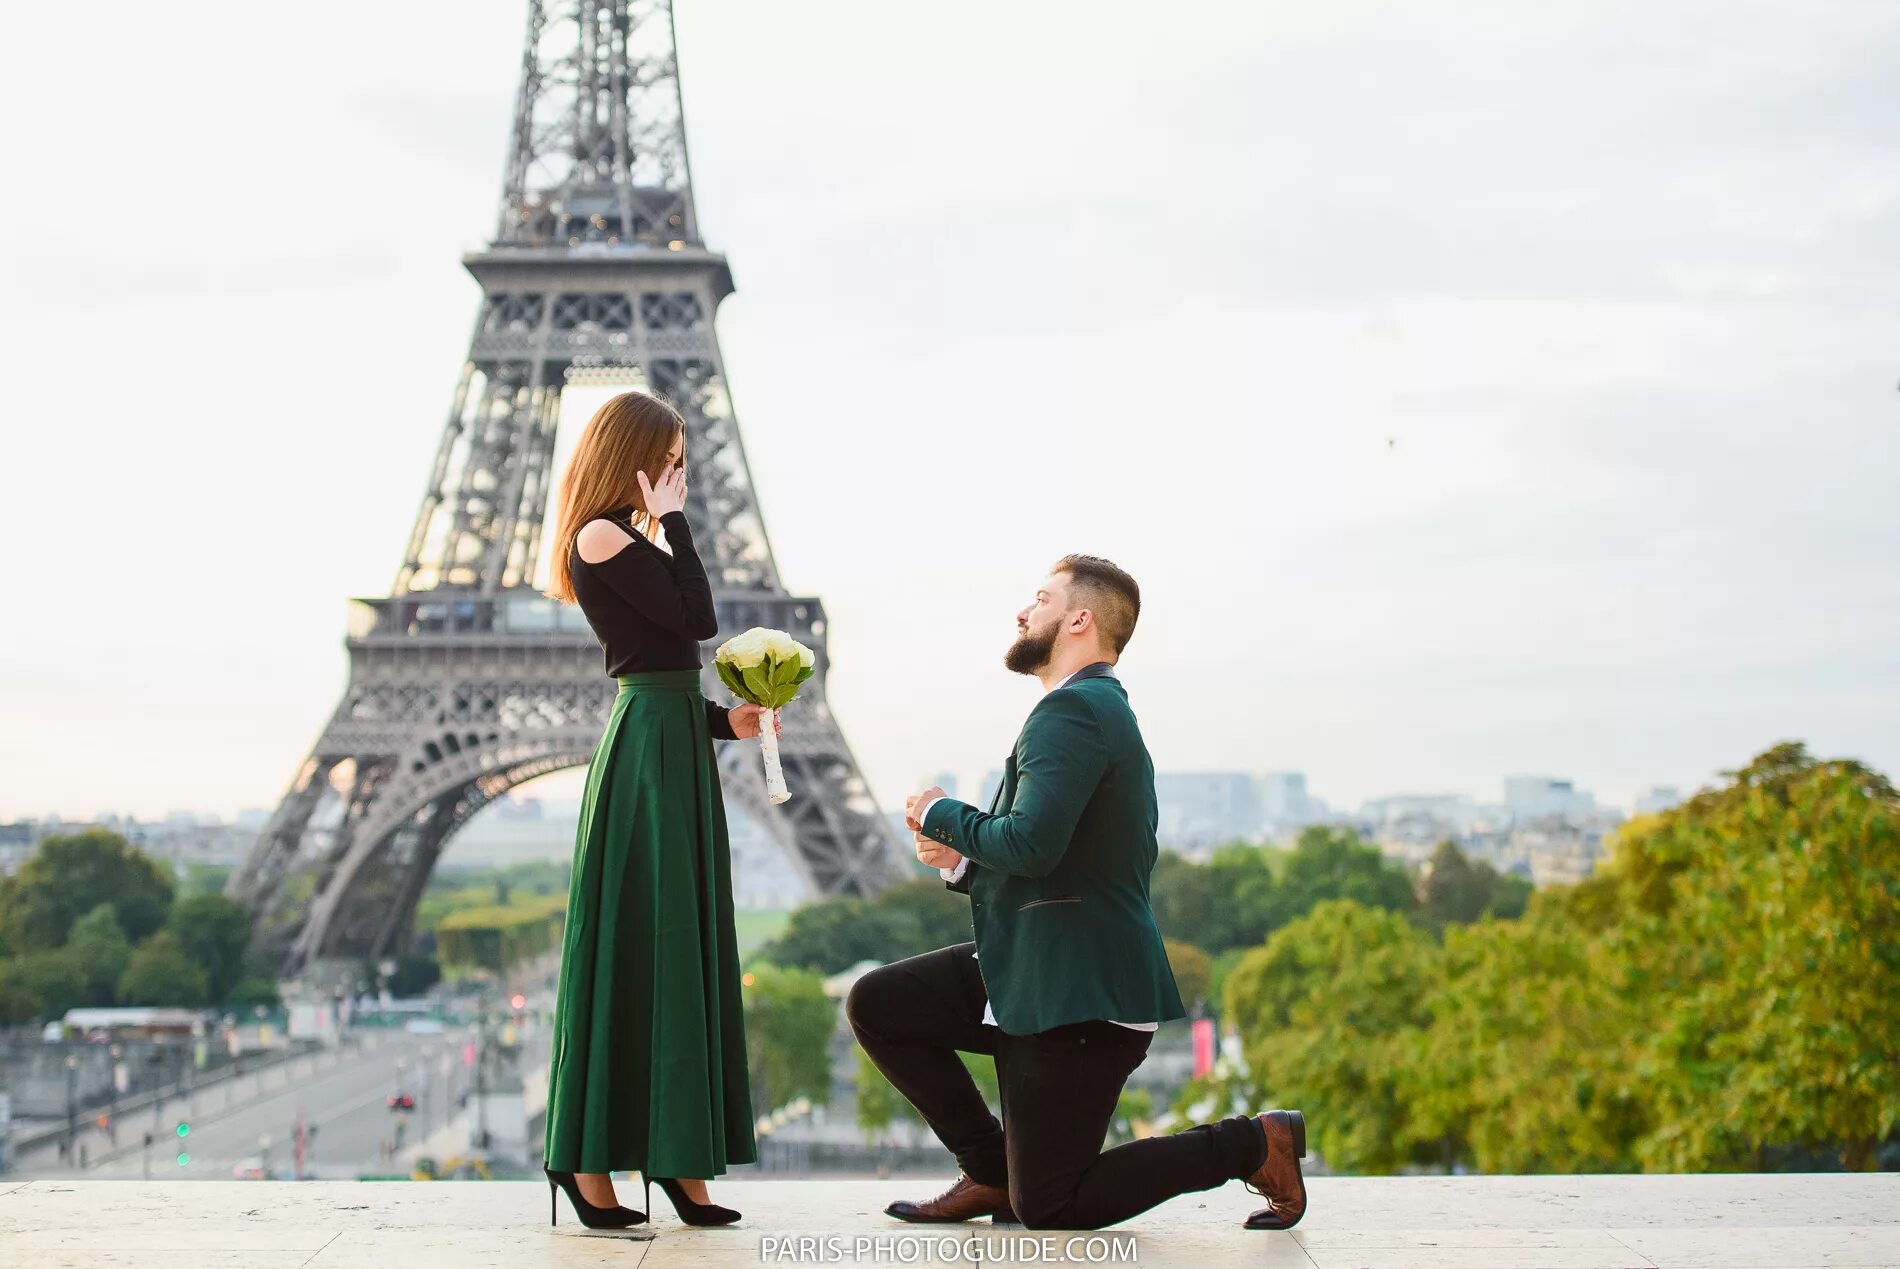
[[1560, 1222]]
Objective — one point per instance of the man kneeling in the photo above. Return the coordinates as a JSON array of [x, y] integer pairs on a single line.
[[1073, 978]]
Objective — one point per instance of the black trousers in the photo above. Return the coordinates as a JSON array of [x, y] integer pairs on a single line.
[[1059, 1089]]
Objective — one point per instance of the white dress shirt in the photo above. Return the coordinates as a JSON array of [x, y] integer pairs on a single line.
[[952, 874]]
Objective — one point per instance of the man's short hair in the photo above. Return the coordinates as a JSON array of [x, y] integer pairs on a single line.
[[1106, 591]]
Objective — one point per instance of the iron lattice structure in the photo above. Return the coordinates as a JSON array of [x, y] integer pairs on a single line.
[[466, 681]]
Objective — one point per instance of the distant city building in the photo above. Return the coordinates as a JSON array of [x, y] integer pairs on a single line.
[[1452, 808], [1658, 798], [1535, 796], [1198, 810], [1284, 801], [182, 838], [1559, 852]]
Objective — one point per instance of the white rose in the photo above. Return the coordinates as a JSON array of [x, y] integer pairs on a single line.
[[781, 645], [805, 656], [745, 650]]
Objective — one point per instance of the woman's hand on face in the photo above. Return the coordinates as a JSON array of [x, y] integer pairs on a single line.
[[667, 496], [745, 721]]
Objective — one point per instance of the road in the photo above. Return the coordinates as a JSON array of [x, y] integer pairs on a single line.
[[342, 1095]]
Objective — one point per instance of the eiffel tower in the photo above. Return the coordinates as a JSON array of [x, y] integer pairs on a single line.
[[466, 680]]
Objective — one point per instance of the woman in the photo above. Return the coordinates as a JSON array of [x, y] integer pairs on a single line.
[[649, 1061]]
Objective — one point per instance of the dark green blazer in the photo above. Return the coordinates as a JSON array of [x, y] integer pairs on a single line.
[[1059, 867]]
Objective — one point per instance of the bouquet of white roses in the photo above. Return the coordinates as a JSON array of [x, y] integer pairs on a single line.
[[766, 667]]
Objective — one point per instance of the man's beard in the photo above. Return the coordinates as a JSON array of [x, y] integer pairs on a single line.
[[1030, 652]]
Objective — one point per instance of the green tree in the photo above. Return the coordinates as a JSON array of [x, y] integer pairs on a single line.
[[938, 915], [99, 948], [71, 874], [252, 990], [414, 975], [19, 1003], [1529, 1061], [214, 932], [1328, 1012], [1511, 898], [203, 879], [1329, 862], [1223, 965], [789, 1022], [879, 1104], [1454, 889], [44, 984], [1192, 970], [835, 934], [1766, 913], [162, 972], [1230, 901]]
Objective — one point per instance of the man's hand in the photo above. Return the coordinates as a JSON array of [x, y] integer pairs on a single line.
[[745, 721], [914, 807], [934, 853]]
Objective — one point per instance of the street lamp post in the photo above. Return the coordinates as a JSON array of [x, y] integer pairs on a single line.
[[72, 1106], [112, 1098], [481, 1076], [156, 1061]]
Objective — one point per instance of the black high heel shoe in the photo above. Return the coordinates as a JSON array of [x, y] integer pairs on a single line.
[[690, 1212], [615, 1217]]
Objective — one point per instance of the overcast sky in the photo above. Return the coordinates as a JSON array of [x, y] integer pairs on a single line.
[[1473, 388]]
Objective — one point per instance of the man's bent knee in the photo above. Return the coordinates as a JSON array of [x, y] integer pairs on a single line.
[[866, 1002]]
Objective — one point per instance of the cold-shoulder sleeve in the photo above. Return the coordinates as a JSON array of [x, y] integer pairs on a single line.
[[678, 598]]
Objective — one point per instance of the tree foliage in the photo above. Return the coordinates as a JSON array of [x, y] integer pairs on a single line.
[[82, 920], [70, 875], [1457, 890], [1192, 970], [161, 972], [904, 920], [1327, 1010], [214, 932], [98, 948], [789, 1022], [1725, 990]]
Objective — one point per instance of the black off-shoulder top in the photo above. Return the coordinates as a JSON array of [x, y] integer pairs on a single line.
[[650, 610]]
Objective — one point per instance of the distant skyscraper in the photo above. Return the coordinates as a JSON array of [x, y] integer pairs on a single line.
[[1452, 808], [1204, 808], [1536, 796], [1658, 798], [1284, 800]]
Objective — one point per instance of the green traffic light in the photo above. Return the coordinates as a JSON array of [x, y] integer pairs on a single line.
[[184, 1130], [183, 1159]]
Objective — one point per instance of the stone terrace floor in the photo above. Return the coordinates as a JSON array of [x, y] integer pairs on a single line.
[[1565, 1222]]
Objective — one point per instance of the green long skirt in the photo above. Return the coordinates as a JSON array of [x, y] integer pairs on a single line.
[[649, 1065]]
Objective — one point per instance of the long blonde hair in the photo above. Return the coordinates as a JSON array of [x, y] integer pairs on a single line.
[[631, 433]]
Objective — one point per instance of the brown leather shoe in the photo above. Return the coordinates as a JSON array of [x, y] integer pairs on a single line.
[[1278, 1178], [963, 1201]]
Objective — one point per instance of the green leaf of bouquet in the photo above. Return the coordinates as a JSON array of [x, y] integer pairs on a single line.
[[758, 685], [730, 677]]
